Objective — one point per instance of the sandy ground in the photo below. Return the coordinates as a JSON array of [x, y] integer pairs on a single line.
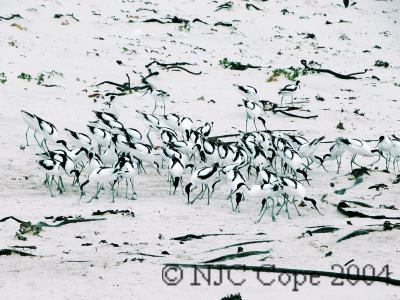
[[86, 51]]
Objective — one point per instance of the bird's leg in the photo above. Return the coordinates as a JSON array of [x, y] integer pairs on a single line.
[[95, 196], [208, 195], [338, 161], [148, 138], [113, 192], [59, 189], [133, 188], [155, 106], [287, 207], [262, 212], [272, 210], [294, 203], [379, 158], [126, 188], [164, 106], [141, 165], [37, 141], [202, 187], [255, 125], [46, 180], [246, 122], [279, 210], [352, 161], [26, 137], [282, 100], [49, 183], [230, 197], [62, 184]]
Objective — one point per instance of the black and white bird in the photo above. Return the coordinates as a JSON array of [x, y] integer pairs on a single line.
[[176, 168], [101, 176], [247, 91], [48, 130], [81, 139], [289, 90], [358, 147], [205, 177], [100, 136], [290, 187], [32, 122], [158, 96], [253, 112]]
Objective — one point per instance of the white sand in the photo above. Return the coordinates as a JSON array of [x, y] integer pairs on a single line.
[[44, 44]]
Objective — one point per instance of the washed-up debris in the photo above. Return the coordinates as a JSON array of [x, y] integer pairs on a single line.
[[25, 247], [140, 253], [273, 269], [252, 6], [236, 255], [240, 244], [341, 76], [345, 209], [381, 63], [190, 237], [378, 186], [322, 229], [13, 251], [238, 66], [386, 226], [58, 16], [274, 108], [35, 229], [356, 182], [358, 172], [125, 212], [13, 16], [226, 5]]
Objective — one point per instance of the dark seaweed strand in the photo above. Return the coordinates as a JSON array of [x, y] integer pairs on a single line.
[[387, 280], [11, 17], [341, 76], [183, 69], [239, 244]]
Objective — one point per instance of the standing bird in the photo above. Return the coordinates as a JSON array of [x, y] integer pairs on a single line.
[[289, 89], [101, 176], [158, 95], [203, 177], [253, 112], [248, 91], [83, 140], [32, 122], [176, 169], [358, 147]]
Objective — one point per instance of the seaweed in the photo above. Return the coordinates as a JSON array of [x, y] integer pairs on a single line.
[[125, 212], [236, 255], [189, 237], [13, 251], [238, 66], [381, 63], [226, 5], [240, 244], [3, 78], [343, 206], [338, 75]]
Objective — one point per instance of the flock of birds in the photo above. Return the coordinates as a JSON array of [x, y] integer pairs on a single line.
[[272, 166]]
